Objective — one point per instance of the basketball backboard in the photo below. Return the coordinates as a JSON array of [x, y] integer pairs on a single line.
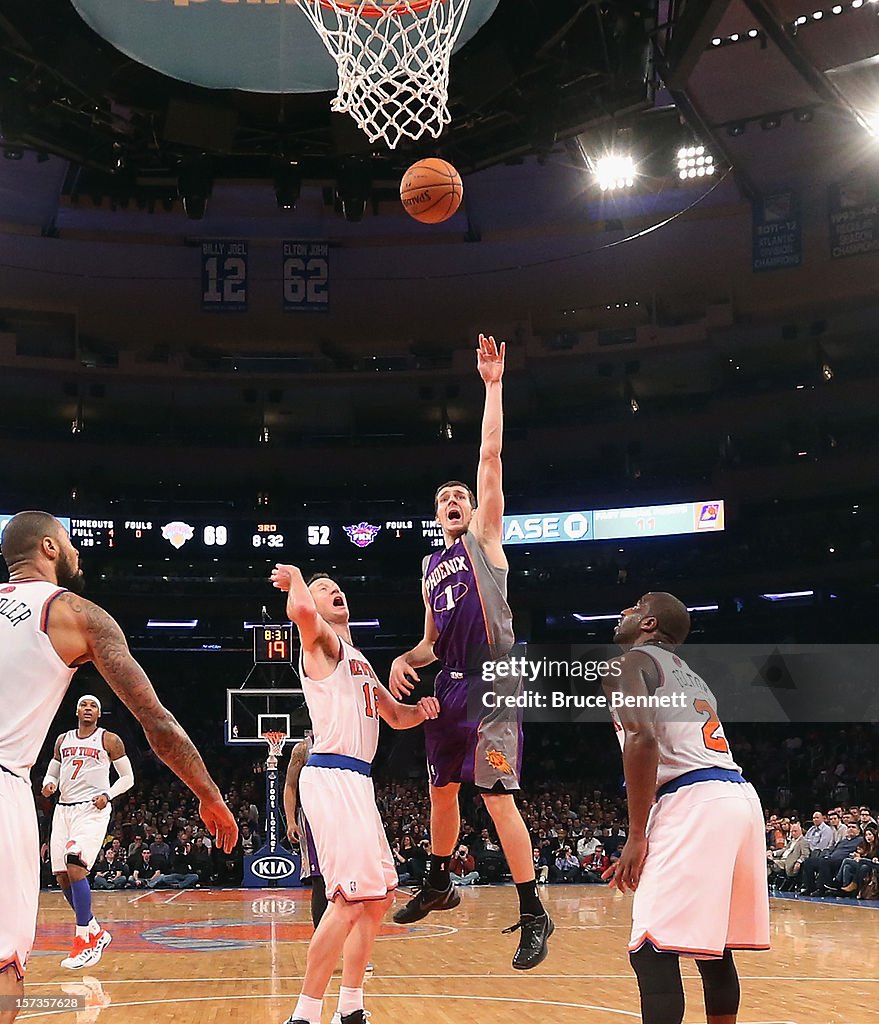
[[252, 712]]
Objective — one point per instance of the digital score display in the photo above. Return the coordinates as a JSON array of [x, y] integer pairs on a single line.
[[272, 644], [179, 538]]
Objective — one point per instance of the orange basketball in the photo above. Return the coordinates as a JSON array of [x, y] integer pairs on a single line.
[[431, 191]]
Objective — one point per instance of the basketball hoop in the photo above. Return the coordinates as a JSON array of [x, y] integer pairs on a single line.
[[393, 61], [276, 742]]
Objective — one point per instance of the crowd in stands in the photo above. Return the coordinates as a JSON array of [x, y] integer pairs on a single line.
[[837, 855], [577, 828]]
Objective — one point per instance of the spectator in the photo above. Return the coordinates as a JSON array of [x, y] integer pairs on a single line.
[[250, 841], [594, 865], [462, 867], [836, 824], [587, 845], [541, 866], [567, 866], [400, 862], [202, 861], [160, 849], [855, 870], [789, 860], [134, 847], [866, 819], [144, 872], [819, 872], [110, 872], [819, 836]]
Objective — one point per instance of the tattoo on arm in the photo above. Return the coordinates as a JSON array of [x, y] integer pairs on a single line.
[[298, 757], [108, 649]]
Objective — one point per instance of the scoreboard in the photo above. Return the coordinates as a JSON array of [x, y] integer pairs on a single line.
[[272, 644], [178, 537]]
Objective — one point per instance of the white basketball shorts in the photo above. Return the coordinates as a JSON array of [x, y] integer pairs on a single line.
[[703, 887], [20, 866], [78, 829], [352, 849]]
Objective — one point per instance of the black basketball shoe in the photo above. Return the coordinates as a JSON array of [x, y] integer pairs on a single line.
[[536, 930], [354, 1017], [426, 900]]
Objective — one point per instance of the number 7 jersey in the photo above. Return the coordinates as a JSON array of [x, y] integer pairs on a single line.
[[689, 737], [344, 706]]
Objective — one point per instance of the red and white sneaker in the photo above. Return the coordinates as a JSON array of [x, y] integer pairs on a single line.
[[83, 953], [100, 942]]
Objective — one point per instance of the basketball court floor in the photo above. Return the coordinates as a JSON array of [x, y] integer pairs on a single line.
[[204, 956]]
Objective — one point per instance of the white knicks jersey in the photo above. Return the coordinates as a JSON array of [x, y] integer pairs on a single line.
[[344, 707], [33, 678], [689, 736], [85, 767]]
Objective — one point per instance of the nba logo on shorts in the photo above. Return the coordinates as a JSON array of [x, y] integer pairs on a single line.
[[352, 887]]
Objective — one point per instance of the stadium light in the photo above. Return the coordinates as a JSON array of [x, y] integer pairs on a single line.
[[168, 624], [615, 172], [790, 595], [596, 618], [694, 162]]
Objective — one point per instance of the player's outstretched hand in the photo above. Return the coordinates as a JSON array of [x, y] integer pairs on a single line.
[[403, 678], [490, 359], [626, 872], [282, 576], [219, 822], [48, 789], [429, 707]]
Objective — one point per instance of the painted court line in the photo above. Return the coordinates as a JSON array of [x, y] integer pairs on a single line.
[[373, 995]]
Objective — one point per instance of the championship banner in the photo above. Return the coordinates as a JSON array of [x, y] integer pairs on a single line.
[[853, 210], [224, 276], [305, 276], [777, 240]]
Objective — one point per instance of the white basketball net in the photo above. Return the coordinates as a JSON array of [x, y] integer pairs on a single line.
[[276, 742], [393, 62]]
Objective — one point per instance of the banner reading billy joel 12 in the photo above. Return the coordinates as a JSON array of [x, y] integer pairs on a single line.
[[224, 276], [305, 276], [853, 209]]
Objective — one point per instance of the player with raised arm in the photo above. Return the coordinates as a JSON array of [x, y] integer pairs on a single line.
[[694, 896], [345, 700], [80, 773], [46, 632], [468, 621]]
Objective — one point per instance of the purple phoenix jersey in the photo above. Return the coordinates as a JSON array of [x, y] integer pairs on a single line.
[[468, 599]]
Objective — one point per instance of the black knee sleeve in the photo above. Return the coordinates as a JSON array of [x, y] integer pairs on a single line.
[[318, 899], [720, 983], [659, 982]]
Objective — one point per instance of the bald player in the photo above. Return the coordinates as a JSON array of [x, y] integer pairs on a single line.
[[700, 891], [80, 773], [46, 632]]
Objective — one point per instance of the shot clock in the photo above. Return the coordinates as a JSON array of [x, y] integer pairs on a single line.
[[272, 644]]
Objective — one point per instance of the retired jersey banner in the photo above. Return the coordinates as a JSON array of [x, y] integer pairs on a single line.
[[854, 217], [777, 241], [224, 276], [305, 276]]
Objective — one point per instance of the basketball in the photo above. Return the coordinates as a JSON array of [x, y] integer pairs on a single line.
[[431, 191]]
